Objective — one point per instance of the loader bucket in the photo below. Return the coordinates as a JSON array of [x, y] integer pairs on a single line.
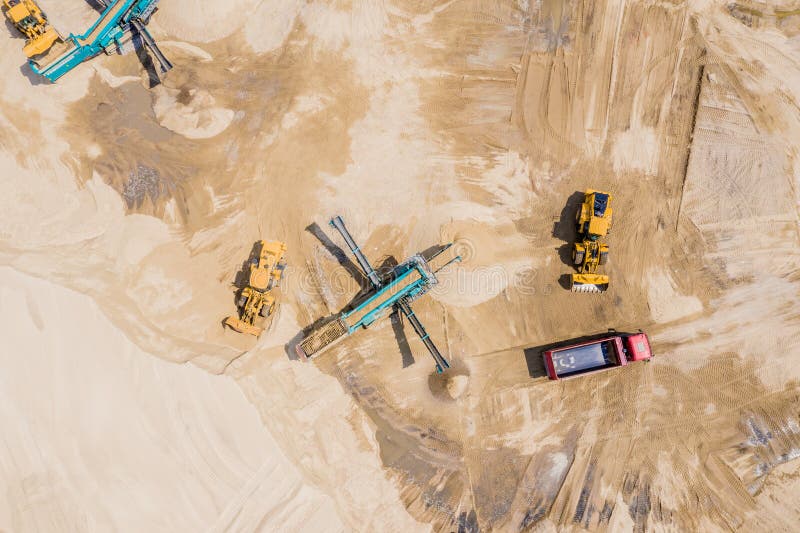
[[41, 44], [243, 327], [589, 283]]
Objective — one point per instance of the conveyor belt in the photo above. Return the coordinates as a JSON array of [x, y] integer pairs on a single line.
[[111, 13], [380, 298]]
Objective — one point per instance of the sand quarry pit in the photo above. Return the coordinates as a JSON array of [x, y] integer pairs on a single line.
[[128, 207]]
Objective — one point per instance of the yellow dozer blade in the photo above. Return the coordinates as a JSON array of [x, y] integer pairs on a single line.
[[242, 326], [589, 283], [41, 44]]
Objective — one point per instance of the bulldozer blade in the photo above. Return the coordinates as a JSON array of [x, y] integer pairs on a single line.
[[589, 283], [243, 327]]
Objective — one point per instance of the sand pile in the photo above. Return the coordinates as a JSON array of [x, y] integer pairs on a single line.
[[107, 422], [191, 113]]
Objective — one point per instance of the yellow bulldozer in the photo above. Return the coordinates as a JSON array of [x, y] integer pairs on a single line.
[[593, 223], [31, 21], [255, 301]]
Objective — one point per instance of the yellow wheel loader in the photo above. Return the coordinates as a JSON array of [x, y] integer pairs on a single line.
[[593, 223], [26, 16], [255, 300], [587, 256]]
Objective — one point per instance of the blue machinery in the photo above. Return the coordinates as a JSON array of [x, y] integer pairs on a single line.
[[407, 282], [121, 21]]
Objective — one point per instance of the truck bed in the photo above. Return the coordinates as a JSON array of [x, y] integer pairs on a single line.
[[582, 359]]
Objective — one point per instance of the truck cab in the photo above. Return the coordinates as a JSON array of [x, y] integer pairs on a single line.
[[638, 347]]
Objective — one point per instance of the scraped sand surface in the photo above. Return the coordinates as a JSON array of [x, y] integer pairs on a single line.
[[127, 212]]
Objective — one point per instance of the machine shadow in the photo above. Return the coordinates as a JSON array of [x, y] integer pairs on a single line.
[[147, 63], [433, 251], [32, 77], [402, 341], [97, 5], [565, 229], [565, 280], [242, 277], [385, 270], [337, 253]]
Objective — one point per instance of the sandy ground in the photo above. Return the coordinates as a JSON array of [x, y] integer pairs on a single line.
[[70, 17], [187, 437], [127, 212]]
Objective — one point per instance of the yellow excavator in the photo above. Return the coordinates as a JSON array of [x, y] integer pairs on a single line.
[[255, 300], [593, 222], [31, 21]]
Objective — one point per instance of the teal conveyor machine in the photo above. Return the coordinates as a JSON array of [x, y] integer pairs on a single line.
[[393, 293], [121, 21]]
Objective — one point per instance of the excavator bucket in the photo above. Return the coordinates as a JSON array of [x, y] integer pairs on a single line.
[[243, 327], [589, 283]]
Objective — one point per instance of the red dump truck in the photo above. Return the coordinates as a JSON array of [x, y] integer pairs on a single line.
[[617, 349]]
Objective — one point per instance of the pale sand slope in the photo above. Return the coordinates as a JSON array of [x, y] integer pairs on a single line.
[[69, 16], [100, 436], [266, 22]]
